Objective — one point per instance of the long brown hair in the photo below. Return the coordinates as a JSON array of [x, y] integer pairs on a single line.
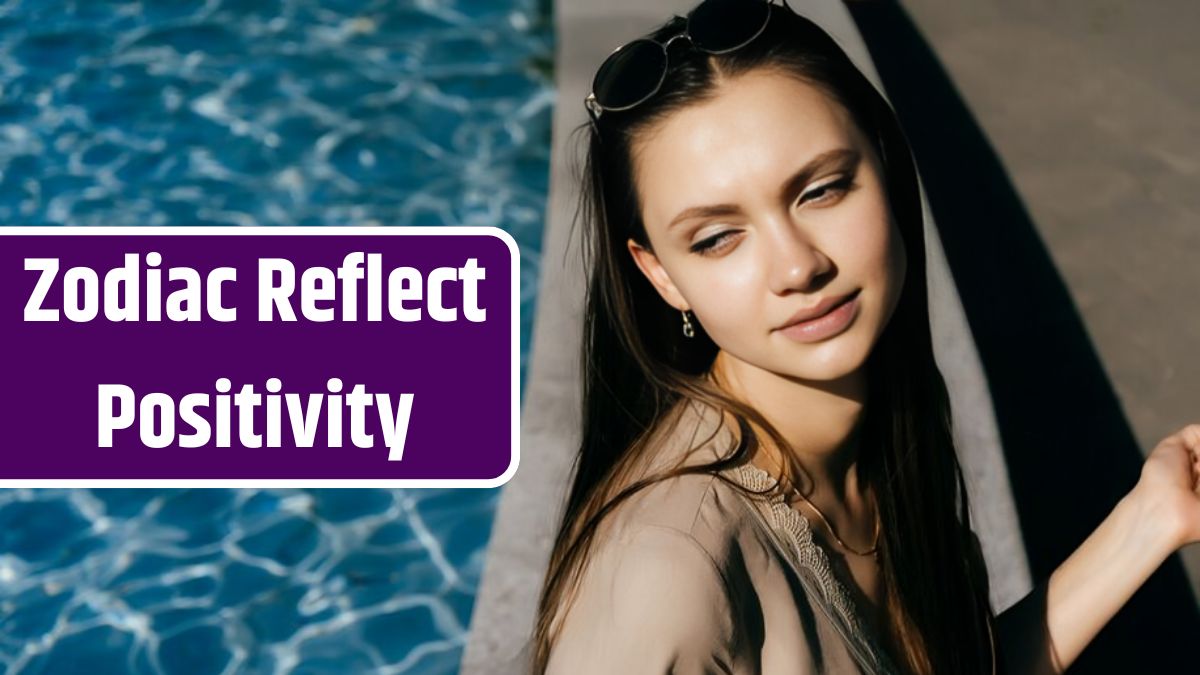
[[636, 366]]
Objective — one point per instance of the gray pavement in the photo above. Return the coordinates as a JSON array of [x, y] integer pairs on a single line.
[[1092, 108]]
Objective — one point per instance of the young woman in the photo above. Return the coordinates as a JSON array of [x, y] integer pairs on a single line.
[[767, 481]]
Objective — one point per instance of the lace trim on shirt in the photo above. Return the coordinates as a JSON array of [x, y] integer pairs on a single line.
[[810, 556]]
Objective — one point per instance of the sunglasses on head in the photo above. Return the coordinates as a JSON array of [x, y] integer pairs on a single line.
[[635, 71]]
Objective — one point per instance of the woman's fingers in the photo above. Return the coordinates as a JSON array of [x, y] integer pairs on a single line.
[[1170, 483], [1186, 442], [1191, 436]]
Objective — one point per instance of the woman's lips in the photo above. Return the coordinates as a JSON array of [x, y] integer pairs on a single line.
[[827, 325]]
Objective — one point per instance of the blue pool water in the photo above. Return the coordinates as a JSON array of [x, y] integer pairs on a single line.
[[262, 112]]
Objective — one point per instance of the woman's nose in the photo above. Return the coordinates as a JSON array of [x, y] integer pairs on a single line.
[[796, 262]]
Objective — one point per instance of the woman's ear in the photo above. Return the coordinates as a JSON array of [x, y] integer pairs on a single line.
[[648, 263]]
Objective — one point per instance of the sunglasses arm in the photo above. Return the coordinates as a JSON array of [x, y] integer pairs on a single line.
[[593, 110]]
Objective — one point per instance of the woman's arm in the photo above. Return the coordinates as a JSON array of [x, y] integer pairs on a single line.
[[1047, 630]]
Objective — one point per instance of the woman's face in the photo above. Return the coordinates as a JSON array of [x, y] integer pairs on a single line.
[[763, 202]]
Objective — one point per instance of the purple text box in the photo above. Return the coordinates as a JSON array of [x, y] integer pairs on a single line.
[[454, 357]]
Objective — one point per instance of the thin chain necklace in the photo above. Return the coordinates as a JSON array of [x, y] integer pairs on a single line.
[[873, 551]]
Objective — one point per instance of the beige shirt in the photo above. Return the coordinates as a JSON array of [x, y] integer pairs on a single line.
[[690, 576]]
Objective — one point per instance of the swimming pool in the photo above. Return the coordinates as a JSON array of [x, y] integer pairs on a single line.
[[239, 112]]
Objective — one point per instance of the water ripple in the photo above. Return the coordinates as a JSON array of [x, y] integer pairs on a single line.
[[252, 581], [249, 112]]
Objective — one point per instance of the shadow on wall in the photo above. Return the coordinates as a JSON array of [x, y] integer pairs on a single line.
[[1071, 453]]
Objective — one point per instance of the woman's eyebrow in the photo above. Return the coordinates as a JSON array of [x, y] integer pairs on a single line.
[[838, 156], [704, 212], [845, 157]]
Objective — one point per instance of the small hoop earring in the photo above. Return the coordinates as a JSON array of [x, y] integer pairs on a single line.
[[688, 329]]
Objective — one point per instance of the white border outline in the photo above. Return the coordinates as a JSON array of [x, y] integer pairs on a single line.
[[447, 230]]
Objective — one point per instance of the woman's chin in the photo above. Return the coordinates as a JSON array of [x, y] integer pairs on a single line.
[[830, 360]]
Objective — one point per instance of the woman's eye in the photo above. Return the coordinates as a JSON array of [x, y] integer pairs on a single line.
[[823, 193], [713, 244]]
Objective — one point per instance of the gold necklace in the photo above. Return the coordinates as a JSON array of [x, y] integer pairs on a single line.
[[874, 550]]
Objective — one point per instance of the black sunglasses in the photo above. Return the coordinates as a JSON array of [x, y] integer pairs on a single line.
[[635, 71]]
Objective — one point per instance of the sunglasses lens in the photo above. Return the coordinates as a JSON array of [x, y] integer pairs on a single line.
[[630, 75], [723, 25]]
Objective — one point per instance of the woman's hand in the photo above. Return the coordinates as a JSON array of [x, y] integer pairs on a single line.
[[1046, 631], [1168, 492]]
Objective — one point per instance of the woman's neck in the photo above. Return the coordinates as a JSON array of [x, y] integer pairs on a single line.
[[819, 419]]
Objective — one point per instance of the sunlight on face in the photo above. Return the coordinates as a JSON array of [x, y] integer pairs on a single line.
[[760, 203]]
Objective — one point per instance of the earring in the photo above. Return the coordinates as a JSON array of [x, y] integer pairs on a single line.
[[688, 329]]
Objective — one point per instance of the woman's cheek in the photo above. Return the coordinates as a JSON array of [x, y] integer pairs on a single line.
[[721, 308]]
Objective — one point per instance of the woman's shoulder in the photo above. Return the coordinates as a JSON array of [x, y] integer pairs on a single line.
[[652, 598], [684, 496], [704, 509]]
